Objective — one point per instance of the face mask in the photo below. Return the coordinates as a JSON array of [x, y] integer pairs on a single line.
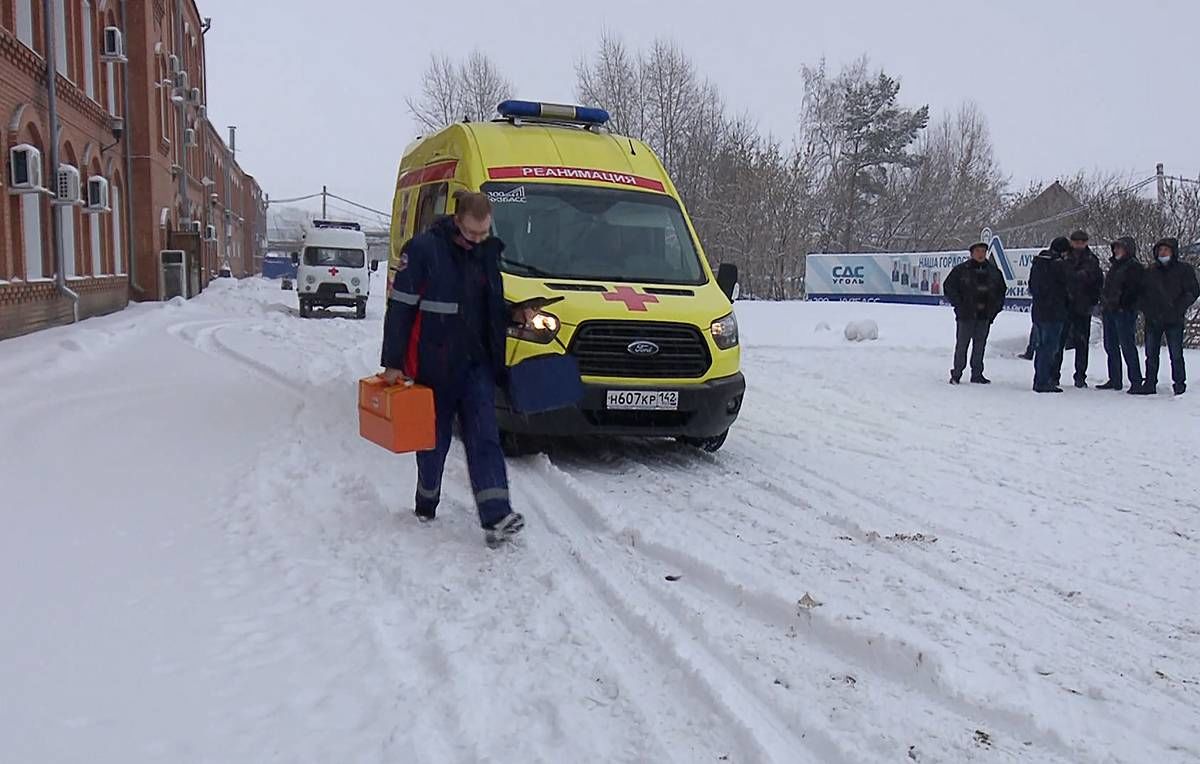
[[1165, 260]]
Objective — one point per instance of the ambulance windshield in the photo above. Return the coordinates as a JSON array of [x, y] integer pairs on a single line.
[[589, 232], [337, 258]]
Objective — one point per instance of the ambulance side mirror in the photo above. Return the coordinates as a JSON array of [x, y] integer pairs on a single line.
[[727, 280], [295, 258], [374, 265]]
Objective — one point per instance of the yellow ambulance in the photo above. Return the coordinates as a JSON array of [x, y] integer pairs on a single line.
[[592, 225]]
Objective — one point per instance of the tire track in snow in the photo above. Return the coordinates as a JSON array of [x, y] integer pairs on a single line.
[[711, 674], [631, 669], [879, 654], [936, 575]]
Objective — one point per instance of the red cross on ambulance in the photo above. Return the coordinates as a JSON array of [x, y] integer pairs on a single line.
[[633, 300]]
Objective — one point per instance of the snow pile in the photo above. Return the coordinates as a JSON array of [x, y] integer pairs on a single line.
[[858, 331]]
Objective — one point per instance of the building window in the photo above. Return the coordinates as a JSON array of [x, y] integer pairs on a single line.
[[118, 266], [61, 47], [25, 22], [31, 234], [88, 23], [164, 98]]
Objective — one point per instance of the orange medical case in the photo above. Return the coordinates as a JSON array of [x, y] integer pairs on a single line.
[[400, 418]]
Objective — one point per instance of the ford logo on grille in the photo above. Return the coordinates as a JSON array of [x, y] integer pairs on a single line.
[[642, 347]]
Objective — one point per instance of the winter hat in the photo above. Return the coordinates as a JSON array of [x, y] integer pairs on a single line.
[[1060, 246], [977, 245], [1170, 243], [1128, 244], [1079, 235]]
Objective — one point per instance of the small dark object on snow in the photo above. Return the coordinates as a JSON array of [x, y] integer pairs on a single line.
[[844, 538], [912, 753], [918, 538], [783, 684], [983, 738], [807, 602], [673, 577]]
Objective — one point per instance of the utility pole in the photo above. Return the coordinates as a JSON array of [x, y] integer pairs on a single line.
[[1162, 184], [324, 202]]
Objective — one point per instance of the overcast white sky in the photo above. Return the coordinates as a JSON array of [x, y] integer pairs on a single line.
[[317, 88]]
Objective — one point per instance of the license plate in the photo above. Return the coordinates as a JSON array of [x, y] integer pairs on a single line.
[[643, 400]]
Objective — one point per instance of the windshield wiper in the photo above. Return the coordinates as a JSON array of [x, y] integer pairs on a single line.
[[529, 270]]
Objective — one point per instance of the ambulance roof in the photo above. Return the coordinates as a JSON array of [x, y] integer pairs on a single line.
[[553, 152], [337, 238]]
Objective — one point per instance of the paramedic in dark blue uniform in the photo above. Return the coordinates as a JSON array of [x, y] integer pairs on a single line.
[[445, 329]]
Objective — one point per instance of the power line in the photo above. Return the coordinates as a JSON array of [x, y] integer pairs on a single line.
[[361, 206]]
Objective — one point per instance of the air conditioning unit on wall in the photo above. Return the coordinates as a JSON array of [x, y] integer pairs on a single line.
[[97, 196], [114, 47], [69, 190], [25, 169]]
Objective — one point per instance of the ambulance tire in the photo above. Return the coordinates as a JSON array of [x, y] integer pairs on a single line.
[[305, 308], [518, 444], [360, 310], [708, 445]]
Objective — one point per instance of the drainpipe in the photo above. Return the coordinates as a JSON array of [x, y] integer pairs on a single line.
[[181, 48], [56, 211], [130, 255]]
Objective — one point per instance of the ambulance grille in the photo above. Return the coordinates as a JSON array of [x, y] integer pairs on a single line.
[[602, 349]]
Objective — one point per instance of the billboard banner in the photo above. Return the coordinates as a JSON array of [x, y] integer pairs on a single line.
[[909, 277]]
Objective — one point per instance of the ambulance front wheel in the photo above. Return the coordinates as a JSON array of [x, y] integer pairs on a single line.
[[305, 308], [360, 310], [709, 445]]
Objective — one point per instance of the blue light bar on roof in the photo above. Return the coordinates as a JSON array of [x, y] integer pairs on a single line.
[[534, 110]]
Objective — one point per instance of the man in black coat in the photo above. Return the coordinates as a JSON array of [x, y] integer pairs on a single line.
[[1118, 305], [1085, 281], [976, 288], [1169, 288], [1048, 288]]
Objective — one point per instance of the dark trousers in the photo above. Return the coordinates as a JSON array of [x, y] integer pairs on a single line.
[[975, 335], [1077, 333], [1047, 353], [473, 400], [1032, 346], [1154, 339], [1120, 342]]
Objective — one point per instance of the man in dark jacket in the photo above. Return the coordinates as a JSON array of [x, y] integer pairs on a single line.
[[1169, 288], [1085, 281], [976, 288], [1048, 288], [445, 328], [1118, 304]]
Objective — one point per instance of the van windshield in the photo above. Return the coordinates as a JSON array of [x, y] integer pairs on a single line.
[[339, 258], [585, 232]]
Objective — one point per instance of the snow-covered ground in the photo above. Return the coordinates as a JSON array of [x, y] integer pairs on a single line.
[[201, 560]]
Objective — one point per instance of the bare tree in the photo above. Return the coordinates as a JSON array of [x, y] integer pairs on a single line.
[[613, 80], [451, 91]]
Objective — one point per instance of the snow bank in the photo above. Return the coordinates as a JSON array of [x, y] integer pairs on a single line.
[[858, 331]]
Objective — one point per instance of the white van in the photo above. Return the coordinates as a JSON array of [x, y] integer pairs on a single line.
[[332, 269]]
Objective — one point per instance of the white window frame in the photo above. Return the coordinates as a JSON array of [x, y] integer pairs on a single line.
[[95, 235], [66, 232], [118, 266], [25, 22], [88, 25], [31, 233], [61, 51]]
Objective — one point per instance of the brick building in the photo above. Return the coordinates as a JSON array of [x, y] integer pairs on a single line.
[[133, 124]]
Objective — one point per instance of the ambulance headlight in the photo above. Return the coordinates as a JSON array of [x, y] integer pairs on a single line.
[[541, 328], [725, 332], [355, 281], [311, 279]]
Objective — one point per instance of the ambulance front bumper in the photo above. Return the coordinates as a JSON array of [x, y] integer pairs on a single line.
[[704, 411]]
